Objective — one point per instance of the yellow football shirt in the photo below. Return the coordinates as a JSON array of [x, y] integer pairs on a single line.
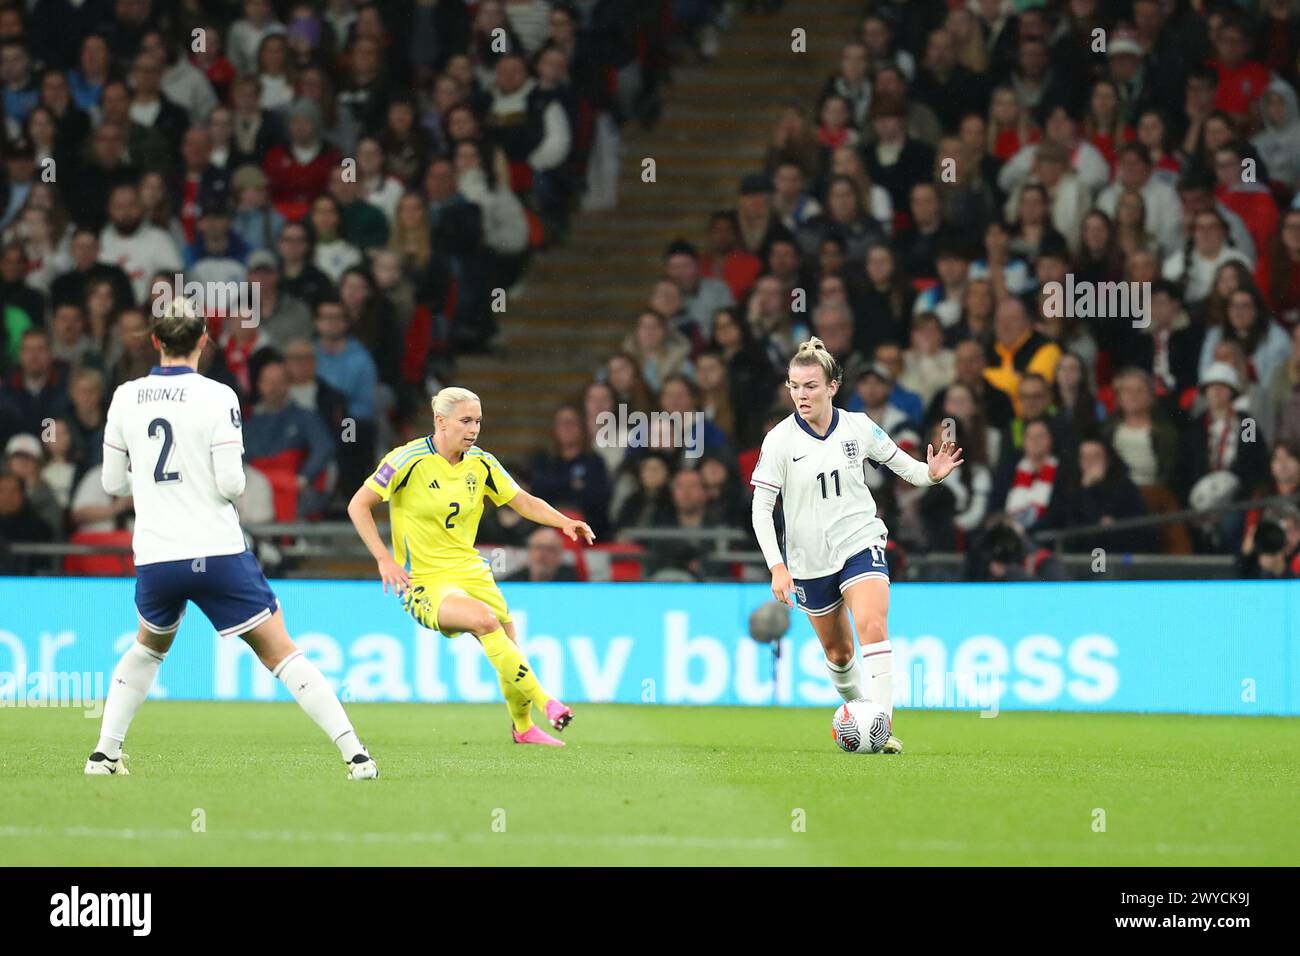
[[435, 507]]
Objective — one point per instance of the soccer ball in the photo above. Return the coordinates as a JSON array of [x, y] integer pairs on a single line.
[[860, 727], [769, 622]]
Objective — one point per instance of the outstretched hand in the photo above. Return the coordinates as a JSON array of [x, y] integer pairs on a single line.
[[942, 462], [574, 528]]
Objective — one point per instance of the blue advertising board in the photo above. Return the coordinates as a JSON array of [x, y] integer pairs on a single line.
[[1214, 647]]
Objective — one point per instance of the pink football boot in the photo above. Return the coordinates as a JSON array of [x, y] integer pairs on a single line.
[[535, 735], [558, 714]]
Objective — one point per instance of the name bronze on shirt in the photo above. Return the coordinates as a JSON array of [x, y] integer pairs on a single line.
[[160, 395]]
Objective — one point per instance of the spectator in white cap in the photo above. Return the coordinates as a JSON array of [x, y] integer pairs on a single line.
[[1220, 439], [1125, 69], [25, 457]]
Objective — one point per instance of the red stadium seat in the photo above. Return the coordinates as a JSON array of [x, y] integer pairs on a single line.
[[282, 472], [1105, 367], [536, 231], [104, 565], [579, 548], [747, 461], [1106, 395], [293, 211], [521, 178], [624, 563], [419, 339], [585, 132]]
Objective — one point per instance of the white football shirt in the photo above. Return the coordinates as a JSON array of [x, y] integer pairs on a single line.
[[828, 509], [168, 424]]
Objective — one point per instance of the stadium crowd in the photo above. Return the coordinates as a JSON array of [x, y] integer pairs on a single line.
[[370, 171], [962, 156]]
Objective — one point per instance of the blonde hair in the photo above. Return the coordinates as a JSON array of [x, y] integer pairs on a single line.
[[813, 352], [1023, 125], [445, 402], [177, 324], [88, 374], [414, 248]]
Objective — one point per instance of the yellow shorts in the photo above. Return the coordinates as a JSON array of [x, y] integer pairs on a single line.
[[428, 591]]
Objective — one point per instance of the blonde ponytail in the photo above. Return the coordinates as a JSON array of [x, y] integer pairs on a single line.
[[813, 352]]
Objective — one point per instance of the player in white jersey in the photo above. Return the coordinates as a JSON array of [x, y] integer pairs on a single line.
[[834, 560], [173, 440]]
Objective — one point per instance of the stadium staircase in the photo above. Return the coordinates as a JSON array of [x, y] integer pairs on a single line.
[[580, 299]]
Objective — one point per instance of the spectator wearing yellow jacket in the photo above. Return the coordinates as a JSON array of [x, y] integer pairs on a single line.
[[1017, 350]]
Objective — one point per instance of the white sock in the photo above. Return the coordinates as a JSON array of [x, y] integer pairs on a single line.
[[878, 662], [847, 678], [130, 685], [315, 696]]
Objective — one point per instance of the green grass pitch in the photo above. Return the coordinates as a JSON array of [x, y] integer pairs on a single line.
[[651, 785]]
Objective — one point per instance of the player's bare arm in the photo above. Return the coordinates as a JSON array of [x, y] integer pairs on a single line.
[[361, 511], [536, 510]]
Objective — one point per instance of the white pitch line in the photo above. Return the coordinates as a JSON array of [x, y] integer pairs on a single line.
[[1091, 846], [381, 837], [650, 840]]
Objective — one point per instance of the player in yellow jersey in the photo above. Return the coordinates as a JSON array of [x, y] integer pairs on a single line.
[[435, 487]]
